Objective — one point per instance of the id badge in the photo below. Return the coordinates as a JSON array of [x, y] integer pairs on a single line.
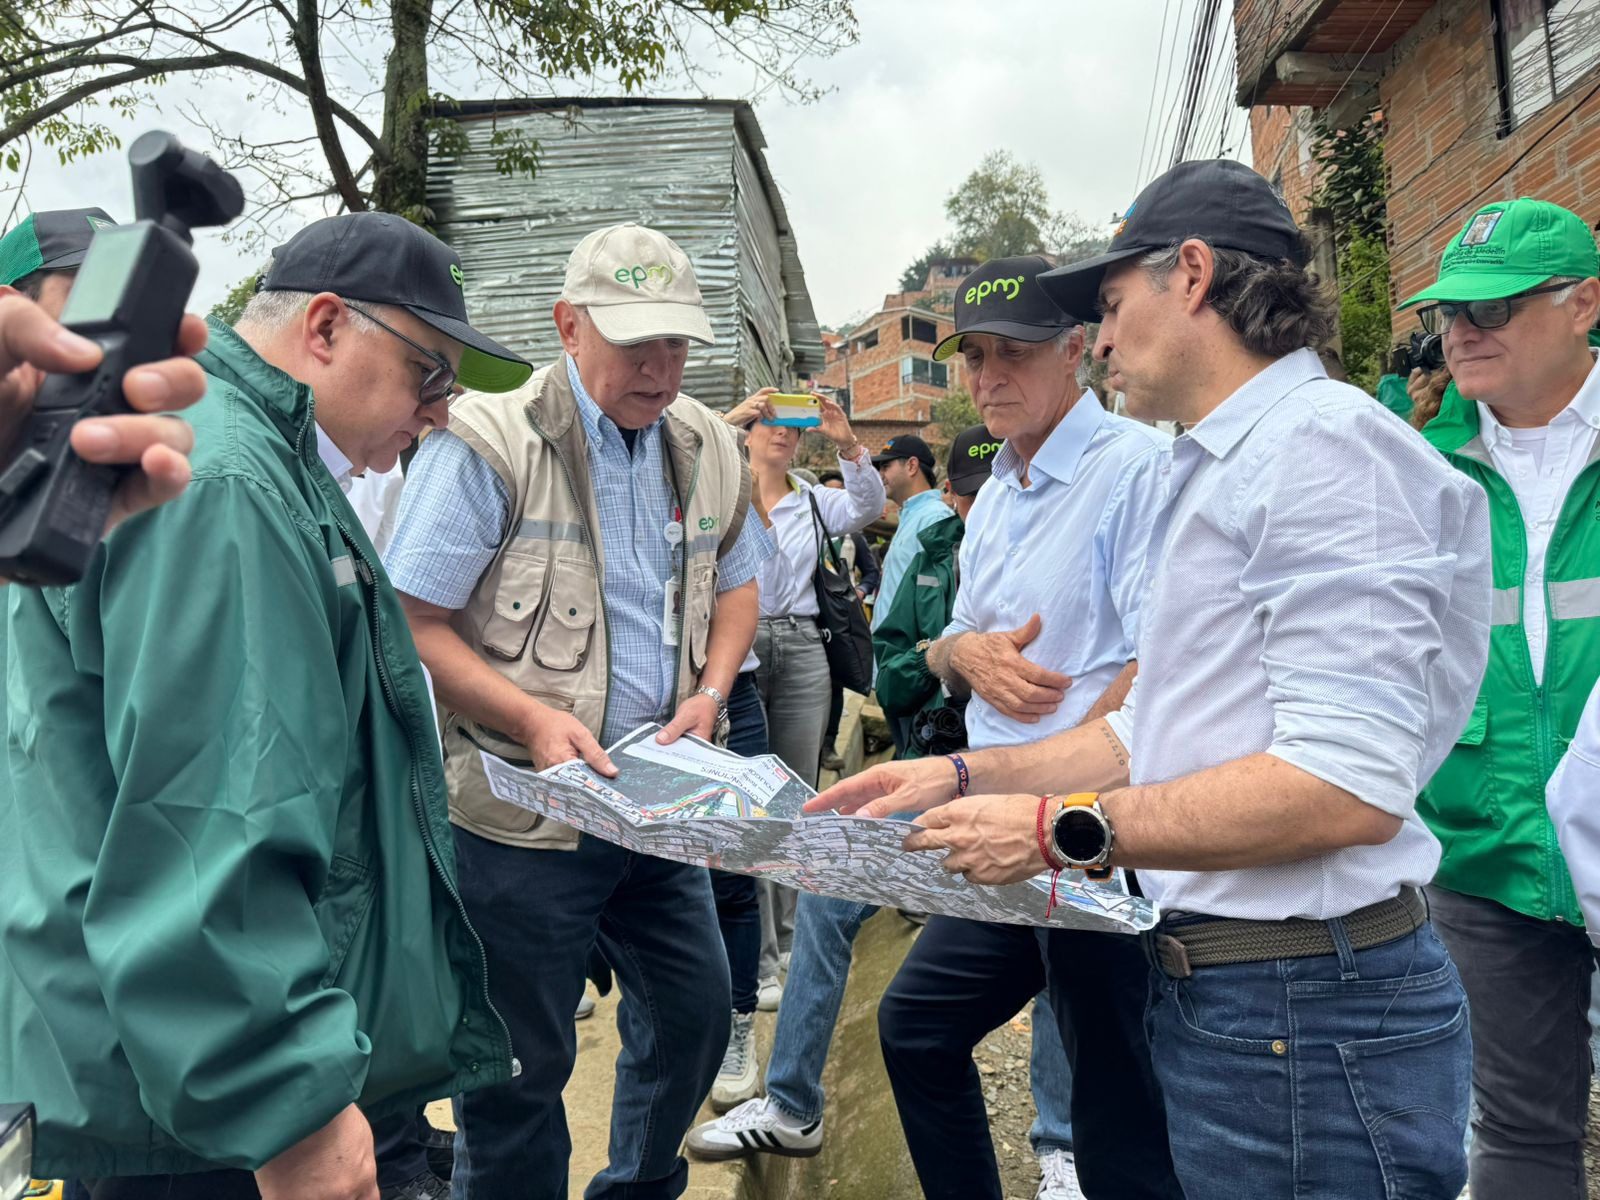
[[670, 612]]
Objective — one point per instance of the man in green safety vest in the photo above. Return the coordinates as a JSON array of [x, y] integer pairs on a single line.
[[1516, 297]]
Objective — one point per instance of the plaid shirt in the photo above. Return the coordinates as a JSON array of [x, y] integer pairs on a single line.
[[454, 511]]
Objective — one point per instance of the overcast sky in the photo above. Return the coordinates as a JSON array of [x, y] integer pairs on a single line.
[[931, 87]]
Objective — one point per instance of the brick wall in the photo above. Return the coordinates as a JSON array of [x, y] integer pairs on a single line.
[[873, 373], [1281, 150], [1444, 155]]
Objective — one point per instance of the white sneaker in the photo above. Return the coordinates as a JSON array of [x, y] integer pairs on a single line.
[[585, 1007], [1058, 1177], [737, 1081], [769, 994], [755, 1127]]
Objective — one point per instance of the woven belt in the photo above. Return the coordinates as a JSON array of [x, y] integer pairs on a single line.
[[1181, 949]]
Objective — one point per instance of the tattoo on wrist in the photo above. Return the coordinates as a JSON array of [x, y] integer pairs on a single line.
[[1115, 746]]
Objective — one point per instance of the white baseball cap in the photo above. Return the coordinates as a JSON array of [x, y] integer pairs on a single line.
[[637, 285]]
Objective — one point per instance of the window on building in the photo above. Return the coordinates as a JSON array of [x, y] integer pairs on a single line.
[[1543, 47], [865, 342], [923, 370], [918, 329], [842, 396]]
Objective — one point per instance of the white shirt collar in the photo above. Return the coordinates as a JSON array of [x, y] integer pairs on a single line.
[[1585, 407], [340, 467]]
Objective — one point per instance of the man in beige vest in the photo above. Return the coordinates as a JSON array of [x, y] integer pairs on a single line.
[[575, 561]]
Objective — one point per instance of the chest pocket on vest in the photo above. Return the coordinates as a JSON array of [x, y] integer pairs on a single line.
[[562, 643], [516, 603]]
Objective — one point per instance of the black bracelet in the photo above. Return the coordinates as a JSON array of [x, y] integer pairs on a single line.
[[963, 776]]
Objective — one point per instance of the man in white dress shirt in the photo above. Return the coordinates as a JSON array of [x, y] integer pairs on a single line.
[[1053, 566], [1309, 645]]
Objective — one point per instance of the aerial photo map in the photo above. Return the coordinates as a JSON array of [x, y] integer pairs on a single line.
[[693, 802]]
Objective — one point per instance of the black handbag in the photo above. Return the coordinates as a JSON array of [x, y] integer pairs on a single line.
[[846, 636]]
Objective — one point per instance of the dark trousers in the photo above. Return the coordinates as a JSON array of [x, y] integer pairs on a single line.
[[835, 715], [963, 979], [738, 899], [398, 1146], [202, 1185], [1527, 987], [538, 913]]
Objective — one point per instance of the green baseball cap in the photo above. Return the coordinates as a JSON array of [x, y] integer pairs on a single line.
[[49, 241], [1509, 247]]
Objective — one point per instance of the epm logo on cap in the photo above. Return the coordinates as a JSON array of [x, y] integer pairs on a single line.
[[993, 287], [639, 274], [984, 449]]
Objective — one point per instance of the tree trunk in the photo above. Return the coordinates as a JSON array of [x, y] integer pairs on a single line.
[[401, 181]]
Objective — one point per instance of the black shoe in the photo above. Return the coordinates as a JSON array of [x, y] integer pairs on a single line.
[[423, 1187]]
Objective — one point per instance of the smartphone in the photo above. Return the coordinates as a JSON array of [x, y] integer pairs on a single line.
[[799, 412]]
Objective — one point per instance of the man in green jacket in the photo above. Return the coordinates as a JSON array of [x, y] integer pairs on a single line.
[[919, 613], [230, 925], [1516, 297]]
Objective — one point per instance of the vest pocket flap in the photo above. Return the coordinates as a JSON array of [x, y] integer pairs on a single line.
[[698, 612], [1477, 723], [516, 602], [563, 641]]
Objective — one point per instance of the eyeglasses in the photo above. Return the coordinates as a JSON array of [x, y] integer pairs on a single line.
[[1485, 314], [438, 383]]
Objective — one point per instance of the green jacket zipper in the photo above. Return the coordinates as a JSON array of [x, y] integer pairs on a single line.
[[368, 579]]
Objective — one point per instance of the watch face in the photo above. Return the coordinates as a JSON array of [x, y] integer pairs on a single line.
[[1079, 834]]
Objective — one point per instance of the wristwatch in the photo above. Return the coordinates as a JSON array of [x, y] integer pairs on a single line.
[[1082, 836], [719, 727]]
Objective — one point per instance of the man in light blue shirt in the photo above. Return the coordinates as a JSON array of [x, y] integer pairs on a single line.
[[1052, 570], [906, 464]]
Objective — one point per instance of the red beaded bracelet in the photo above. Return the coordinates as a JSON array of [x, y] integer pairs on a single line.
[[1044, 842]]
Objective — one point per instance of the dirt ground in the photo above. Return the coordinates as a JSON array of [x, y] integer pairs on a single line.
[[1003, 1062]]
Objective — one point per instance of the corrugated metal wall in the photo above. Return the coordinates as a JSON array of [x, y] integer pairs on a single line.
[[685, 169]]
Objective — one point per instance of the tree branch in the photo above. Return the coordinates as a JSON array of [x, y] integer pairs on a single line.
[[306, 44], [145, 68]]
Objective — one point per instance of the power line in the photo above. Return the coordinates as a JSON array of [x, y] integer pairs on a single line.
[[1150, 103], [1164, 127]]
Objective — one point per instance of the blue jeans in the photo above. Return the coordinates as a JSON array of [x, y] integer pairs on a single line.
[[538, 912], [1343, 1076], [1050, 1078], [825, 929], [825, 932], [738, 901]]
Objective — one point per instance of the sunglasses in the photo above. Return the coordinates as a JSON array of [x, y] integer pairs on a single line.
[[438, 383], [1485, 314]]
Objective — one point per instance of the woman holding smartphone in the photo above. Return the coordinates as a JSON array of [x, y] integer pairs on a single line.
[[788, 670]]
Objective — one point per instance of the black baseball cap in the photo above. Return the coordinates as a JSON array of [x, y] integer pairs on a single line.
[[1002, 297], [1217, 199], [907, 445], [385, 259], [971, 459], [49, 241]]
